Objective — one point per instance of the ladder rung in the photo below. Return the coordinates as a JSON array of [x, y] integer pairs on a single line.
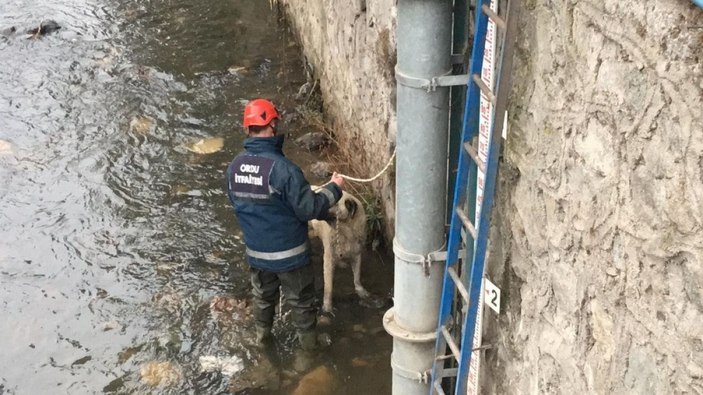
[[450, 372], [484, 88], [474, 155], [438, 386], [457, 281], [451, 343], [466, 221], [493, 16]]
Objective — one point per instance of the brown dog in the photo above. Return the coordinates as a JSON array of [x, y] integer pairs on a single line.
[[343, 243]]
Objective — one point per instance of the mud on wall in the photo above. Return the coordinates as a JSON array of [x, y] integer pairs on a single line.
[[351, 47], [598, 243]]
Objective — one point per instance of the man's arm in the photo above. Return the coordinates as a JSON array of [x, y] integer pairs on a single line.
[[306, 203]]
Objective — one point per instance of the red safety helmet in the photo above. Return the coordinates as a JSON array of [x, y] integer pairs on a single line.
[[259, 112]]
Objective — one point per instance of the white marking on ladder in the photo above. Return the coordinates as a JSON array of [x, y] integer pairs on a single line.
[[484, 137]]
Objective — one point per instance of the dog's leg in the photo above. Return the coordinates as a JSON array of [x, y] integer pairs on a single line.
[[328, 273], [356, 269]]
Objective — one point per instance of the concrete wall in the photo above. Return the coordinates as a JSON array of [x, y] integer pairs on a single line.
[[351, 45], [598, 243]]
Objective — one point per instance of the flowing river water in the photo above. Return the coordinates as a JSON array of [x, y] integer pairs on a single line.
[[114, 237]]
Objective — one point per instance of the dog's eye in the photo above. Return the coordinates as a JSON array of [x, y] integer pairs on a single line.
[[351, 207]]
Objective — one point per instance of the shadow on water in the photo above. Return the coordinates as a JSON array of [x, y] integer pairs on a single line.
[[114, 237]]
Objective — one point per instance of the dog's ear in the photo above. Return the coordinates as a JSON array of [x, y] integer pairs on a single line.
[[351, 207]]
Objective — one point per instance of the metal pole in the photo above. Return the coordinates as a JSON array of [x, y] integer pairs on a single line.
[[424, 52]]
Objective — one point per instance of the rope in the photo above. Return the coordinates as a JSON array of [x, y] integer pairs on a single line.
[[390, 161]]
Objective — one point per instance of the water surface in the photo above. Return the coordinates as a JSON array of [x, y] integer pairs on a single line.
[[114, 238]]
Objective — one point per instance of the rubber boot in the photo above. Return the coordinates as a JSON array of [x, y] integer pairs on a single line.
[[308, 340]]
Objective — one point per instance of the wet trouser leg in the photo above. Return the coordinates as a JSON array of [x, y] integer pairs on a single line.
[[299, 291], [265, 288]]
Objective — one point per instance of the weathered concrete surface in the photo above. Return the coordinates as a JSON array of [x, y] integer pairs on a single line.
[[351, 45], [598, 246], [602, 217]]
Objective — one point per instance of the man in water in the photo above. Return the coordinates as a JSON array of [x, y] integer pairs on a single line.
[[274, 202]]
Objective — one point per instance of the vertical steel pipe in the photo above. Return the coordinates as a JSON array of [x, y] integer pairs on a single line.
[[424, 51]]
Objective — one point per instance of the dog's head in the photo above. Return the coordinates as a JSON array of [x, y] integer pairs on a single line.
[[346, 209]]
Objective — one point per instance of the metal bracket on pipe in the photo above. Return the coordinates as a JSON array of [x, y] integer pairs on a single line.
[[431, 84], [422, 377], [425, 260]]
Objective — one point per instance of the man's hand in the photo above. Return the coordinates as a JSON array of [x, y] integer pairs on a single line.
[[337, 179]]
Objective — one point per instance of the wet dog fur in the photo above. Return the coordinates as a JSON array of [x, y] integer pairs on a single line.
[[343, 243]]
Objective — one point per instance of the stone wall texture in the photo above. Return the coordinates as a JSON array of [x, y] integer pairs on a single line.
[[598, 236], [601, 220]]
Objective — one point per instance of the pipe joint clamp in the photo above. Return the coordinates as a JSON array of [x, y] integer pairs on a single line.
[[430, 84], [425, 260], [422, 377]]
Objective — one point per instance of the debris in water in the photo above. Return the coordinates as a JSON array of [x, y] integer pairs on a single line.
[[228, 366], [160, 373], [5, 148], [207, 146], [237, 70], [140, 125]]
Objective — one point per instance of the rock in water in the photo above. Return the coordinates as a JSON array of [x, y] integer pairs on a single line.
[[160, 373], [207, 146], [45, 28], [318, 382]]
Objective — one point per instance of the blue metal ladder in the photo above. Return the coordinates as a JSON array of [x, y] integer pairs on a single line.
[[459, 305]]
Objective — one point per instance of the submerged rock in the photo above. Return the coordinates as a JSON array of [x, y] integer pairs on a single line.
[[313, 141], [160, 373], [207, 146], [318, 382]]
